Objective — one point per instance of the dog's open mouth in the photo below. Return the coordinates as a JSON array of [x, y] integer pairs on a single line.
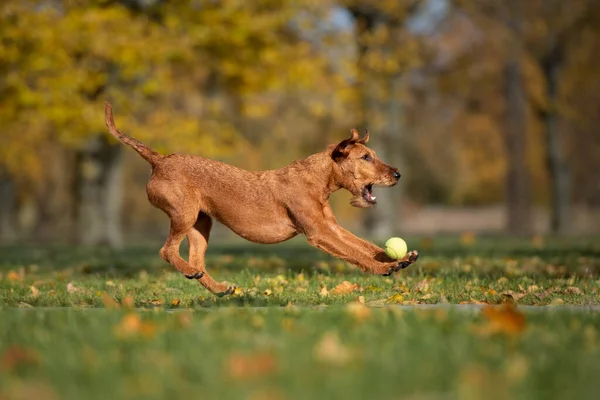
[[367, 194]]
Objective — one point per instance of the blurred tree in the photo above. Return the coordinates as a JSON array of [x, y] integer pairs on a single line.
[[554, 28], [386, 53], [519, 198], [203, 72]]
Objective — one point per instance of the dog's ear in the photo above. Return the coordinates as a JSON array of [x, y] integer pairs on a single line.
[[343, 147], [365, 139]]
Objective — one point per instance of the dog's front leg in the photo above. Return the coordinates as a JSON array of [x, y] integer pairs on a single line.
[[373, 250], [326, 239]]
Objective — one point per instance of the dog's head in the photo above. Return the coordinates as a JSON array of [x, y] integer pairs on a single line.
[[358, 169]]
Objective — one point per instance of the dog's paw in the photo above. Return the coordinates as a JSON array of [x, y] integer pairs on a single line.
[[229, 291], [195, 275], [409, 259]]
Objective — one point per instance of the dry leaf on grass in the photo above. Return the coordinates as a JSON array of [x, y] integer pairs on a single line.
[[329, 350], [110, 302], [324, 292], [572, 290], [250, 366], [358, 310], [128, 303], [13, 276], [395, 299], [422, 287], [504, 319], [71, 288], [15, 357], [514, 296], [34, 291], [345, 288], [131, 325]]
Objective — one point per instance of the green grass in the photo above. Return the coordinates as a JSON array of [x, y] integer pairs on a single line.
[[491, 270], [163, 336], [244, 353]]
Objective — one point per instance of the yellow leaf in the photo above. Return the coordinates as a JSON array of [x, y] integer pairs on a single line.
[[324, 292], [395, 299], [34, 291], [359, 311]]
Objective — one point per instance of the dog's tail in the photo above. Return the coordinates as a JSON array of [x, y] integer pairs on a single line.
[[146, 152]]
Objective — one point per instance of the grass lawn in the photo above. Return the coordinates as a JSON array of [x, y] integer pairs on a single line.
[[130, 327]]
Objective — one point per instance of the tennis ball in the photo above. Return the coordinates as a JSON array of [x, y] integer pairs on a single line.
[[396, 248]]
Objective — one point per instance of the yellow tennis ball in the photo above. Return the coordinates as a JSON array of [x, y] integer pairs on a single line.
[[396, 248]]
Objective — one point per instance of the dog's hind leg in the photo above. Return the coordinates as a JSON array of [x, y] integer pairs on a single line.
[[180, 226], [198, 237]]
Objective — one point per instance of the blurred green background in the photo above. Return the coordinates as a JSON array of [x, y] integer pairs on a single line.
[[489, 108]]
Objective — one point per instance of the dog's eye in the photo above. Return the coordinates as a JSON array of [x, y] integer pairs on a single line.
[[366, 157]]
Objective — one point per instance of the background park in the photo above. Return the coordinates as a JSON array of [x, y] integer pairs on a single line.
[[489, 108]]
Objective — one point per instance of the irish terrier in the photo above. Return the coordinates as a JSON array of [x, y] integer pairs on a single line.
[[265, 206]]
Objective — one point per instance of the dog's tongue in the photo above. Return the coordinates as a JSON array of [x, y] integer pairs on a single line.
[[370, 196]]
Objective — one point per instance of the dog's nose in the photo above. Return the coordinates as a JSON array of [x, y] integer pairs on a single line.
[[396, 175]]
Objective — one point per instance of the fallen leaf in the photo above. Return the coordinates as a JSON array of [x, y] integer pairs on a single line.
[[250, 366], [514, 296], [330, 350], [361, 299], [13, 276], [426, 297], [532, 288], [157, 302], [131, 325], [422, 287], [15, 357], [128, 303], [268, 292], [345, 288], [547, 292], [34, 291], [557, 302], [183, 320], [175, 302], [359, 311], [110, 302], [573, 290], [71, 288], [504, 319], [238, 291], [395, 299], [324, 292]]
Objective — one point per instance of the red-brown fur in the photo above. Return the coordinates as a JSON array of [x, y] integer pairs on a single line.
[[264, 206]]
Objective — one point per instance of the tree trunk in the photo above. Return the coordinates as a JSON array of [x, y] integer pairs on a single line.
[[383, 115], [518, 177], [7, 208], [382, 220], [99, 193], [558, 169]]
